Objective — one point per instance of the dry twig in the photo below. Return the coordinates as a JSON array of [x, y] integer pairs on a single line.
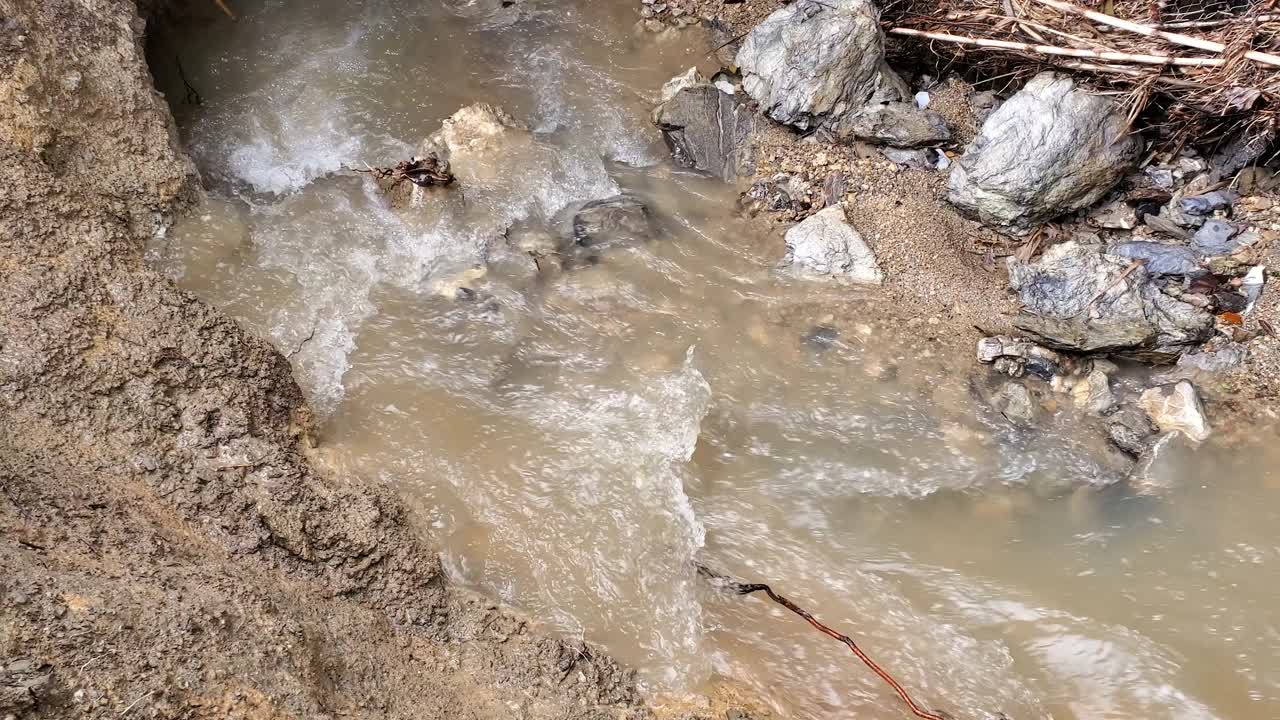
[[742, 588]]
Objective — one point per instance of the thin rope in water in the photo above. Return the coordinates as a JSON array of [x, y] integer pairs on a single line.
[[742, 588]]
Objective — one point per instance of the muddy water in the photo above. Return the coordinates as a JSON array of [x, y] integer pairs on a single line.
[[578, 439]]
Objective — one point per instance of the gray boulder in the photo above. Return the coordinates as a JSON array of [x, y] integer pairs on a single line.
[[808, 64], [825, 245], [1050, 149], [618, 220], [1073, 298], [705, 128]]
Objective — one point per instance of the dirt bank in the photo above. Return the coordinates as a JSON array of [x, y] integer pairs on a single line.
[[168, 550]]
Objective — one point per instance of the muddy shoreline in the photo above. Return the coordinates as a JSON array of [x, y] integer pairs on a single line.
[[170, 550]]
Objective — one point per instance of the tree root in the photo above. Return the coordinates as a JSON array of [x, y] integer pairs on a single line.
[[741, 588]]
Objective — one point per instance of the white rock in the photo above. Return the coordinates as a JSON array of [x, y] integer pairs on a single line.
[[1176, 408], [689, 78], [826, 245], [1093, 393]]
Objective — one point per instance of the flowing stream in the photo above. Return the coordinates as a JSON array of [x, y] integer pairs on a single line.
[[577, 440]]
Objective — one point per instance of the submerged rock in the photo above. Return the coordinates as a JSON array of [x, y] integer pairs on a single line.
[[1015, 402], [1074, 298], [621, 219], [826, 245], [1093, 393], [1052, 148], [706, 128], [810, 63], [1176, 407], [1160, 461], [1131, 430]]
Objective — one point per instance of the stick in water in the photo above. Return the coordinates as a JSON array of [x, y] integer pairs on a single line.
[[742, 588]]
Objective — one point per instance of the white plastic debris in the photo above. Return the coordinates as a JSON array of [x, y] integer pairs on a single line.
[[1252, 285], [922, 99]]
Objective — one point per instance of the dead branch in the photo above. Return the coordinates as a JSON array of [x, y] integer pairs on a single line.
[[1109, 56], [222, 5], [742, 588], [1149, 31], [421, 171]]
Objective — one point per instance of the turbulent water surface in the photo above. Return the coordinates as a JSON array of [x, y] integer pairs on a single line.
[[578, 439]]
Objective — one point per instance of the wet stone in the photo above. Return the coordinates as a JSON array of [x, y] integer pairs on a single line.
[[1016, 403], [1130, 429], [1176, 408], [822, 337], [618, 220], [1093, 393]]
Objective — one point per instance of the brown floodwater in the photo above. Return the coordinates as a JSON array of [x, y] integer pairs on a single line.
[[576, 441]]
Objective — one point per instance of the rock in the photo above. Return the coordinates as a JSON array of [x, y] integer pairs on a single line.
[[809, 63], [1241, 151], [1016, 403], [618, 220], [1052, 148], [1214, 238], [458, 285], [1227, 357], [1093, 393], [1159, 258], [826, 245], [1162, 224], [896, 123], [1073, 299], [1160, 461], [914, 159], [1017, 356], [705, 128], [1208, 202], [689, 78], [1176, 407], [1131, 430], [780, 193], [1117, 215], [475, 132], [983, 104]]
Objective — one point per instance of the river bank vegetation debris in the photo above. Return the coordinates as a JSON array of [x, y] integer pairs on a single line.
[[1200, 72], [421, 171]]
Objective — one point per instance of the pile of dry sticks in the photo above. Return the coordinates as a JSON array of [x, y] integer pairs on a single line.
[[1204, 69]]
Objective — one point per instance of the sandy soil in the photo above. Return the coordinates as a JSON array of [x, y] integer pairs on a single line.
[[168, 548]]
